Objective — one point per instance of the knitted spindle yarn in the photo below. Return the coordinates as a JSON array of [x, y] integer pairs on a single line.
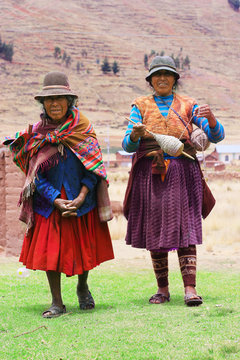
[[169, 144]]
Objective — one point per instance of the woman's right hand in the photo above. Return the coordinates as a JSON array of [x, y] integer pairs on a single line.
[[137, 131], [69, 207]]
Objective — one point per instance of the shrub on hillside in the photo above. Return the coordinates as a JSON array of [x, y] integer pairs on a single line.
[[115, 67], [106, 68], [6, 51]]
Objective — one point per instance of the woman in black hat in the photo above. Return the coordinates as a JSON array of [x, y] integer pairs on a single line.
[[164, 198], [65, 202]]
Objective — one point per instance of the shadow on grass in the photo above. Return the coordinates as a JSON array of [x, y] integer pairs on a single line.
[[38, 309], [175, 300]]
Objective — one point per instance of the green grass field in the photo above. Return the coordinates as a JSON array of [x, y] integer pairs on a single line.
[[123, 324]]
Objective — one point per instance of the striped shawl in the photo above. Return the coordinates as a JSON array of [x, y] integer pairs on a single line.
[[33, 149]]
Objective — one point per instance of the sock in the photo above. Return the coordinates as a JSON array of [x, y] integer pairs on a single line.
[[160, 267], [187, 260]]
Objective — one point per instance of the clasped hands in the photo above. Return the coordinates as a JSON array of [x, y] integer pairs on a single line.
[[69, 207]]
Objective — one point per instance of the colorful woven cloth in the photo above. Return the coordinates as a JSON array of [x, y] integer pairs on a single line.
[[39, 146], [76, 133]]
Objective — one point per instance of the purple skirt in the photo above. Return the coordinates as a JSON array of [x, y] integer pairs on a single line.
[[165, 215]]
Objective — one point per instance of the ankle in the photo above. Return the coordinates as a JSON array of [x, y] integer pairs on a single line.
[[82, 286], [57, 302], [190, 290], [163, 290]]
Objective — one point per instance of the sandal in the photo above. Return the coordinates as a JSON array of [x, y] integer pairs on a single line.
[[193, 300], [159, 298], [86, 302], [54, 311]]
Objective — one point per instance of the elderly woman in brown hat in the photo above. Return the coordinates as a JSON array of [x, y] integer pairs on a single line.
[[64, 200], [164, 197]]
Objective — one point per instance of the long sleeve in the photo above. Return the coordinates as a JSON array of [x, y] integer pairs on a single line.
[[127, 144], [89, 179], [135, 115], [69, 173], [45, 188], [215, 134]]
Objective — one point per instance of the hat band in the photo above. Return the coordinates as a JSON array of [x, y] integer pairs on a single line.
[[162, 65], [56, 87]]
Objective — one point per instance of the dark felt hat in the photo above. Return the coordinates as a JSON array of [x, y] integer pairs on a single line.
[[55, 83], [162, 63]]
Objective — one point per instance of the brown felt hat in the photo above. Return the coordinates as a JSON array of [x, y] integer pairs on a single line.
[[55, 83], [162, 63]]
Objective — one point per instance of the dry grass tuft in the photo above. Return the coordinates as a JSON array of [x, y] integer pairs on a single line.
[[222, 225], [119, 176], [118, 227]]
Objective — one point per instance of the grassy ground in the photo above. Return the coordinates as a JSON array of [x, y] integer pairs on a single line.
[[123, 324]]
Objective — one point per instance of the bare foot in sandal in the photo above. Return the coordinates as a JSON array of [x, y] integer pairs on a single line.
[[159, 298], [191, 298], [85, 299], [54, 311]]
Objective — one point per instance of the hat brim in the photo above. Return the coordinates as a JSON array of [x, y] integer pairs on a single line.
[[164, 67], [54, 92]]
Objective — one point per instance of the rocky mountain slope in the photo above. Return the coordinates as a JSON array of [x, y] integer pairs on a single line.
[[207, 31]]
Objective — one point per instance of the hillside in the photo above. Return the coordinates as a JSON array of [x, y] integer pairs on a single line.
[[208, 31]]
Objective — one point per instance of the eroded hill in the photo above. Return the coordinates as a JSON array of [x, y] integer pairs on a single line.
[[206, 31]]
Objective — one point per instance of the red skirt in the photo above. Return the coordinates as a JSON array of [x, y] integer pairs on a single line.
[[67, 245]]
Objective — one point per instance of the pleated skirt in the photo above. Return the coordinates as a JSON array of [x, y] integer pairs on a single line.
[[67, 245], [165, 215]]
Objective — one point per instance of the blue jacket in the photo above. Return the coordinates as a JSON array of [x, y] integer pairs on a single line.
[[69, 173]]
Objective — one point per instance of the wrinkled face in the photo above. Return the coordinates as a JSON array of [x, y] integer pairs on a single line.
[[162, 81], [56, 107]]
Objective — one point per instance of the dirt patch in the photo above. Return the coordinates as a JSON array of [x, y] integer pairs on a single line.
[[221, 258]]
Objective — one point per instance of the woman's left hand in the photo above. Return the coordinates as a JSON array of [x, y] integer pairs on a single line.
[[63, 204], [76, 203], [205, 111]]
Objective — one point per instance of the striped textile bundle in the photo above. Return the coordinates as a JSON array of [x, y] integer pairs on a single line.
[[76, 133], [33, 149]]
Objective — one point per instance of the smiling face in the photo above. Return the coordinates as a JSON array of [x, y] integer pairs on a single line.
[[56, 107], [162, 81]]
